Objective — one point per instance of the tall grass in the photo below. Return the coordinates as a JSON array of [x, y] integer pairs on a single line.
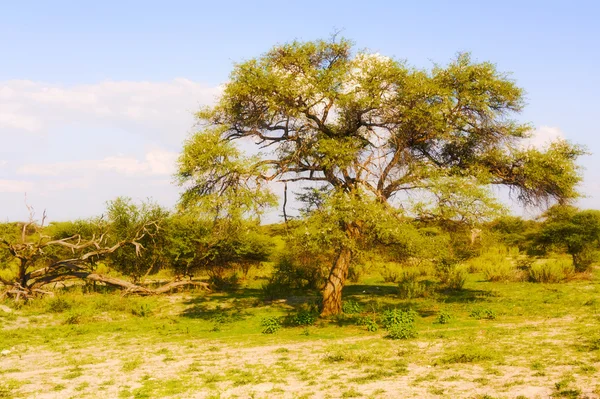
[[495, 265], [551, 271]]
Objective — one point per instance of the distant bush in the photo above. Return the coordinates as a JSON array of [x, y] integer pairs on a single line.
[[142, 310], [270, 325], [485, 314], [390, 274], [451, 273], [305, 317], [443, 318], [58, 305], [495, 264], [410, 285], [551, 271]]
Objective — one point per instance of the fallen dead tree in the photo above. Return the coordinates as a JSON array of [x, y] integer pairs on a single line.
[[31, 247]]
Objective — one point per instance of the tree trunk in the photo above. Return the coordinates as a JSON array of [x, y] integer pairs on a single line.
[[332, 294]]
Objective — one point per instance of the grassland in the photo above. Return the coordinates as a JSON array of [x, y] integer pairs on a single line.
[[495, 340]]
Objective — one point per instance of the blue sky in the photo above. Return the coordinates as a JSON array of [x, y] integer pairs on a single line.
[[96, 97]]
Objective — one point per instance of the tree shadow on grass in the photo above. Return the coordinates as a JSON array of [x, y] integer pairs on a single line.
[[378, 290], [465, 296]]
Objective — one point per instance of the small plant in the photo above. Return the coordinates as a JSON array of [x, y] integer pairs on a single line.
[[444, 318], [371, 325], [351, 307], [392, 317], [402, 331], [483, 314], [73, 318], [270, 325], [304, 318], [142, 311], [58, 305], [399, 323]]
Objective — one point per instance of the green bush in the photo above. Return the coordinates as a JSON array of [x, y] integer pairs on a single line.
[[410, 285], [304, 318], [369, 322], [551, 271], [58, 305], [142, 310], [402, 331], [392, 317], [457, 278], [483, 314], [500, 269], [444, 318], [371, 325], [351, 307], [73, 318], [451, 273], [270, 325]]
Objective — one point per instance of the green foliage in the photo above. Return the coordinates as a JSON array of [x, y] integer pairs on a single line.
[[451, 274], [551, 271], [351, 307], [404, 330], [305, 316], [447, 135], [397, 316], [495, 265], [142, 310], [143, 223], [410, 286], [270, 325], [58, 305], [483, 314], [468, 354], [444, 317], [577, 232], [371, 324]]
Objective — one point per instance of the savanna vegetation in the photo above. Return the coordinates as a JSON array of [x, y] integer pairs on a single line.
[[400, 275]]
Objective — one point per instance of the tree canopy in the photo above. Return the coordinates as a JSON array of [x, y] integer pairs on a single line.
[[382, 135]]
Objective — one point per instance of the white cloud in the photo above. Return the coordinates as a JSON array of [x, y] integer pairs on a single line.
[[73, 147], [543, 136], [157, 107], [157, 162], [15, 186]]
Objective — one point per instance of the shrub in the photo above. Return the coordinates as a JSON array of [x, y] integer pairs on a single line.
[[450, 273], [392, 317], [141, 311], [457, 278], [399, 323], [369, 322], [73, 318], [551, 271], [483, 314], [390, 275], [410, 286], [402, 331], [304, 318], [351, 307], [270, 325], [371, 325], [444, 317], [58, 305], [500, 269]]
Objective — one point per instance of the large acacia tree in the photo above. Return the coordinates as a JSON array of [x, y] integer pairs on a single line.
[[378, 133]]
